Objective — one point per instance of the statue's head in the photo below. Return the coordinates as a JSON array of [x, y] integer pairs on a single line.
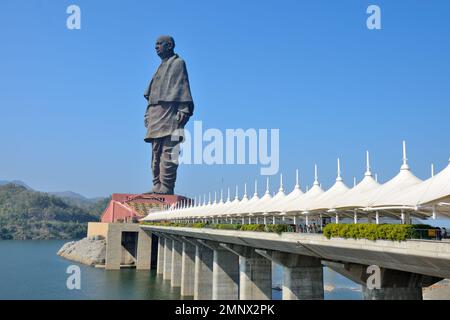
[[165, 46]]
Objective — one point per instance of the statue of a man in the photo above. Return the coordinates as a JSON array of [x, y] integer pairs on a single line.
[[169, 108]]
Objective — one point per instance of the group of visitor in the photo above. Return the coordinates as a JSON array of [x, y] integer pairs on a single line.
[[441, 233], [310, 228]]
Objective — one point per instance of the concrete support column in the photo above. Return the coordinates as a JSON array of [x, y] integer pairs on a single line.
[[203, 282], [385, 284], [255, 273], [160, 262], [144, 250], [302, 275], [113, 249], [188, 269], [167, 273], [225, 272], [175, 274]]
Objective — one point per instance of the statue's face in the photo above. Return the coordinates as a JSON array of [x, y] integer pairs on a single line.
[[163, 47]]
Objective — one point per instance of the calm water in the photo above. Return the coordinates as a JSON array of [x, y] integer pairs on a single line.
[[32, 270]]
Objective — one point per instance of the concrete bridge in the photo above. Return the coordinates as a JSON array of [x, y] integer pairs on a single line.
[[229, 265]]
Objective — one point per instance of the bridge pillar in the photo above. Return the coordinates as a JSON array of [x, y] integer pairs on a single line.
[[175, 273], [203, 280], [113, 249], [188, 269], [255, 273], [160, 262], [144, 250], [167, 272], [225, 272], [388, 284], [302, 275]]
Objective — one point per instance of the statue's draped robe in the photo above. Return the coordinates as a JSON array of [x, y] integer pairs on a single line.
[[167, 93]]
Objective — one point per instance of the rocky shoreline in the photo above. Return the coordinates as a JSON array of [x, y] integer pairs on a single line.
[[89, 251]]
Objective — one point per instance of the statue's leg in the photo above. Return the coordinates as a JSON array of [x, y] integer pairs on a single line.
[[157, 147], [169, 165]]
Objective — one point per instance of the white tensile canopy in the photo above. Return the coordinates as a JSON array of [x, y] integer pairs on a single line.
[[428, 198], [358, 196], [243, 206], [251, 209], [274, 203], [326, 201], [403, 194], [300, 203]]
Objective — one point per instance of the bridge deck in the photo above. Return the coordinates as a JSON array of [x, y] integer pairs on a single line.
[[417, 256]]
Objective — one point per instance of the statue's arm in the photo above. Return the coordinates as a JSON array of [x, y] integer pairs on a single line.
[[184, 113]]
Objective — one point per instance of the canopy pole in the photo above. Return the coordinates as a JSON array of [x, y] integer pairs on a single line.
[[405, 165], [355, 216], [337, 218], [377, 217], [434, 212]]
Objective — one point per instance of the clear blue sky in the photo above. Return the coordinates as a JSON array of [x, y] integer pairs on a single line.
[[72, 107]]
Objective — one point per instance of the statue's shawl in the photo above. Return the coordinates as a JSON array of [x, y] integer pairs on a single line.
[[170, 83]]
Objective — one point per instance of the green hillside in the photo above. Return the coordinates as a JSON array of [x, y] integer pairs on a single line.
[[26, 214]]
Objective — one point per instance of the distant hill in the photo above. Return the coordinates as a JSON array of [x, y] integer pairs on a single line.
[[78, 200], [16, 182], [28, 214], [69, 195]]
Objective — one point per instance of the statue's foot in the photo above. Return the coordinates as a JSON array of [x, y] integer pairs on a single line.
[[165, 190], [156, 188]]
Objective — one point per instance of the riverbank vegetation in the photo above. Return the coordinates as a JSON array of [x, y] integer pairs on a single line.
[[277, 228], [30, 215]]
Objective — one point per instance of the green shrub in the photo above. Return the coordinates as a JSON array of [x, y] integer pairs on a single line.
[[278, 228], [394, 232], [253, 227], [224, 226]]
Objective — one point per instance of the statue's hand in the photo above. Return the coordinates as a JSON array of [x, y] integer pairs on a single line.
[[182, 118], [146, 121]]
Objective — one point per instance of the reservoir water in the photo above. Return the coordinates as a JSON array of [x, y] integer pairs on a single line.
[[32, 270]]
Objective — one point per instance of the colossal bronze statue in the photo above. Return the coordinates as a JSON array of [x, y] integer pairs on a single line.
[[169, 108]]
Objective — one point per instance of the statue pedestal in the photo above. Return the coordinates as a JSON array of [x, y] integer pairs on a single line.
[[157, 201]]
